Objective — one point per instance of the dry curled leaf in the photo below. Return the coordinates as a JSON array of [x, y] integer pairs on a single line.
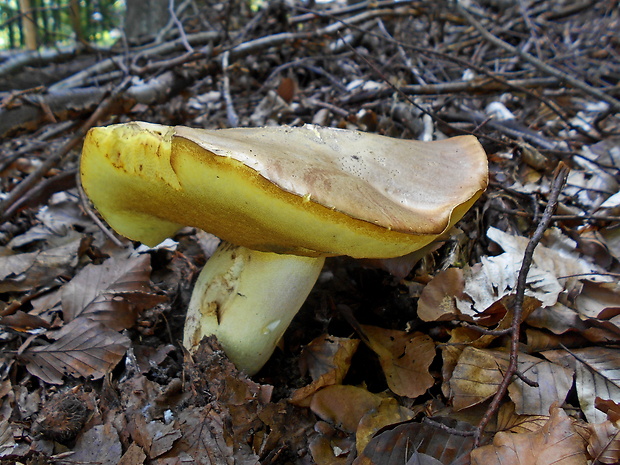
[[438, 299], [81, 348], [404, 357], [327, 359], [557, 443]]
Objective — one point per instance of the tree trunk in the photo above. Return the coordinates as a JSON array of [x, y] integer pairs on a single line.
[[76, 20], [145, 18], [29, 28]]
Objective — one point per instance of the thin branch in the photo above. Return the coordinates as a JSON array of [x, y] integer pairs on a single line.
[[27, 183], [558, 183], [541, 65]]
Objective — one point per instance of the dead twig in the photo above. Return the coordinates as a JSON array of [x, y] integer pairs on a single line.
[[539, 64], [558, 183], [27, 183], [177, 22], [231, 113]]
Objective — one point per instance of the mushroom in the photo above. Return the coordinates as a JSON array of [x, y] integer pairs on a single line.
[[281, 199]]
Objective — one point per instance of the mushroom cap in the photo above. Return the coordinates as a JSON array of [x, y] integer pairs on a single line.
[[307, 190]]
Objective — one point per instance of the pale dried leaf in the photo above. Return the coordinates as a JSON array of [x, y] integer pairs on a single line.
[[597, 374], [81, 348], [556, 443], [611, 235], [154, 437], [558, 319], [604, 442], [56, 227], [599, 300], [479, 373], [476, 377], [460, 337], [496, 276], [113, 292], [554, 382], [509, 421], [404, 357]]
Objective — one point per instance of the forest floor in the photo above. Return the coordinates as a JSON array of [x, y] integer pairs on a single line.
[[479, 350]]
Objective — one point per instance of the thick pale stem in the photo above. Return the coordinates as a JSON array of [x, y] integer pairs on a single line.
[[247, 299]]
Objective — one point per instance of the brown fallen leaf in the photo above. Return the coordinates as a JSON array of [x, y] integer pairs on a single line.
[[100, 445], [596, 375], [557, 442], [24, 322], [204, 441], [344, 406], [438, 299], [398, 445], [331, 451], [475, 378], [114, 292], [508, 420], [81, 348], [480, 371], [404, 357], [26, 271], [154, 437], [604, 442], [134, 455], [387, 413], [327, 359], [611, 408]]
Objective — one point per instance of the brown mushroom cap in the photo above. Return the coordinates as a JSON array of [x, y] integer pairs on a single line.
[[306, 191]]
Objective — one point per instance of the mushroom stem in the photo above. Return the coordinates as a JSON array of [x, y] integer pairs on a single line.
[[247, 299]]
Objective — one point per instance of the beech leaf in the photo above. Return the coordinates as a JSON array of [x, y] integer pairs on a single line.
[[404, 357], [557, 443], [114, 292], [81, 348], [398, 445], [597, 374], [604, 442]]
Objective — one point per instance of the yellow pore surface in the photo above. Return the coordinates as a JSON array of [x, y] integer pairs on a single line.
[[148, 183]]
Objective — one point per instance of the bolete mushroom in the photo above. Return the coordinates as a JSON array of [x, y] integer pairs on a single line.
[[286, 197]]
